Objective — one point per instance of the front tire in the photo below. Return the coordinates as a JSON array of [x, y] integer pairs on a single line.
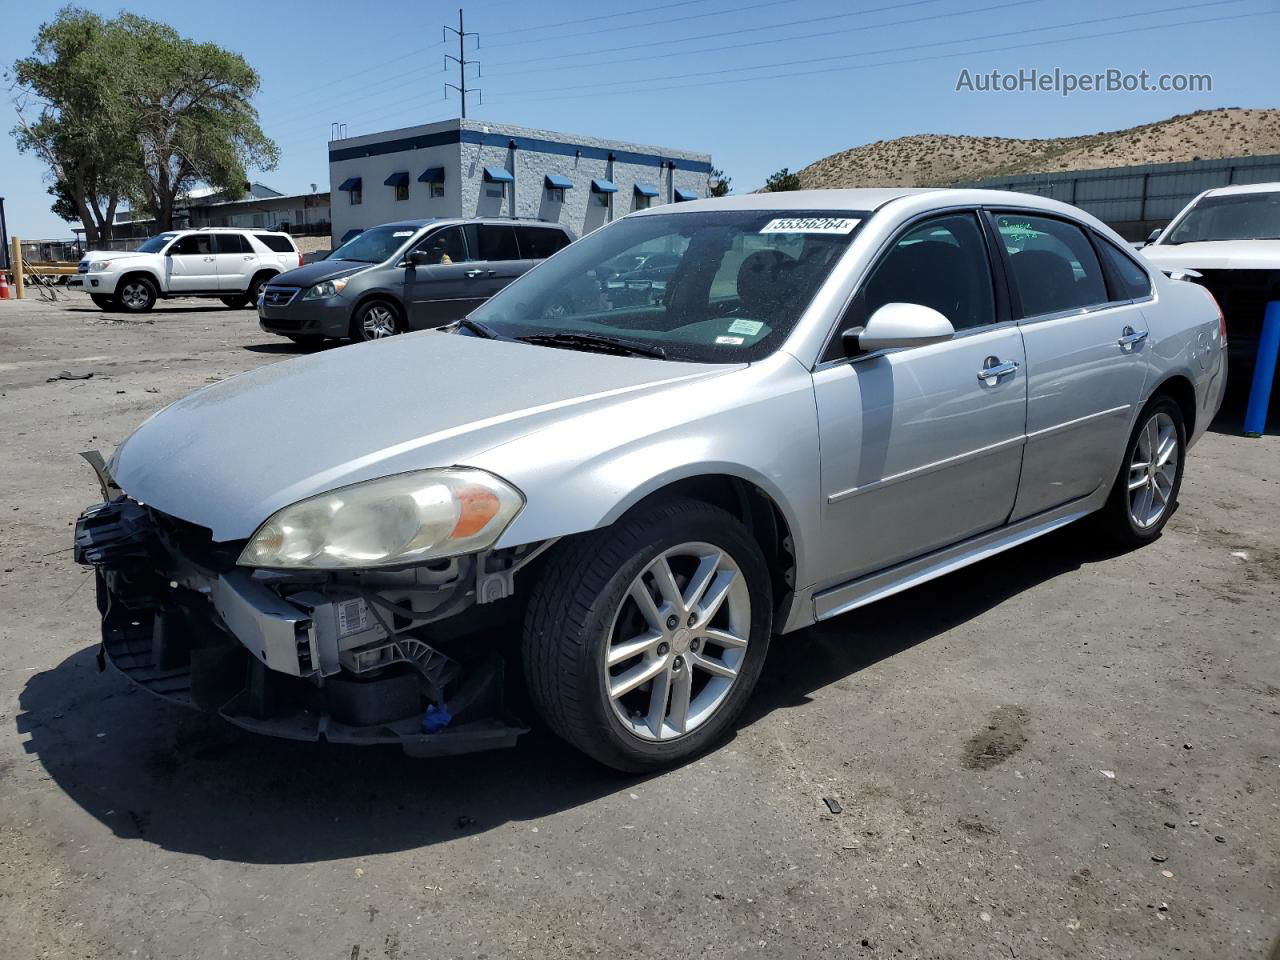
[[102, 301], [376, 320], [135, 295], [643, 641], [1146, 489]]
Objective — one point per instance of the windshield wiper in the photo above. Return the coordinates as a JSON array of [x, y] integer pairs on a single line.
[[597, 342], [480, 329]]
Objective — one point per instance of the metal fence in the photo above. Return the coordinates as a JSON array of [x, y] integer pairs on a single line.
[[1136, 200]]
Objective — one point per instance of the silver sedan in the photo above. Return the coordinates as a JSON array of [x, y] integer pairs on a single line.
[[821, 399]]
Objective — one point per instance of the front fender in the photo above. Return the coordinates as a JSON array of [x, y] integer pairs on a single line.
[[758, 425]]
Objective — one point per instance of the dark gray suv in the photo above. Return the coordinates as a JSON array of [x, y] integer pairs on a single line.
[[403, 276]]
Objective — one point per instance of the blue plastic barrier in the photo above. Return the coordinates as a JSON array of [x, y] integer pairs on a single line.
[[1264, 372]]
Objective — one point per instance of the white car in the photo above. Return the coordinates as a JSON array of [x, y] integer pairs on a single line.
[[231, 265]]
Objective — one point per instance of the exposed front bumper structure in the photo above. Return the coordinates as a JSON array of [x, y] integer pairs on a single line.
[[306, 659]]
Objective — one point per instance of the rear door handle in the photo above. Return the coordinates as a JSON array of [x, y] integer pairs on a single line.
[[1131, 337], [474, 273], [995, 368]]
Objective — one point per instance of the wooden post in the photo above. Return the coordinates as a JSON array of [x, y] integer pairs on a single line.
[[15, 264]]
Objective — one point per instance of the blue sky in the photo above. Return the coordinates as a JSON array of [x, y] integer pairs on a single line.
[[760, 84]]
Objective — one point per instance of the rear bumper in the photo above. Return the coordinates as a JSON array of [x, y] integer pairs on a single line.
[[222, 641], [330, 317]]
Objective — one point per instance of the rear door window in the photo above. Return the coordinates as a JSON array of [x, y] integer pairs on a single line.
[[497, 242], [1053, 264], [538, 243], [231, 243]]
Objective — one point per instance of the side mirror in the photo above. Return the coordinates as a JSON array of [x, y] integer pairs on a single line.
[[419, 258], [900, 325], [1154, 235]]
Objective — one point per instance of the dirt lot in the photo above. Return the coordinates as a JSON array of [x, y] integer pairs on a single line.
[[1062, 752]]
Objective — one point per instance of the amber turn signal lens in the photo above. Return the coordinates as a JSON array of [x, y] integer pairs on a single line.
[[477, 507]]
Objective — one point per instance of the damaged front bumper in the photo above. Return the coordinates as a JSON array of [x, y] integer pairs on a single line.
[[353, 658]]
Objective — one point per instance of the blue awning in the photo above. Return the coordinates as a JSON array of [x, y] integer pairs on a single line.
[[558, 183], [351, 183], [685, 195], [432, 175], [400, 179], [603, 186], [498, 175], [646, 190]]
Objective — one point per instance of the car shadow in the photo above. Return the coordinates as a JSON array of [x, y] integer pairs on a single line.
[[288, 347], [191, 783], [214, 307]]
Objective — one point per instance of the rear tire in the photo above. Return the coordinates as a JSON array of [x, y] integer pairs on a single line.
[[1145, 493], [235, 303], [589, 635], [135, 295], [255, 288]]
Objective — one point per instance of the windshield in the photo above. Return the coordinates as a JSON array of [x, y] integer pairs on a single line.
[[1235, 216], [721, 286], [157, 243], [375, 244]]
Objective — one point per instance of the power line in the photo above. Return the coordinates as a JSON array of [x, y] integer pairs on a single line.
[[603, 16], [915, 46], [758, 43], [648, 88], [669, 20], [722, 33], [346, 77]]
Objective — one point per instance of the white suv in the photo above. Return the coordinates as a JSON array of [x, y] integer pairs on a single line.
[[231, 265]]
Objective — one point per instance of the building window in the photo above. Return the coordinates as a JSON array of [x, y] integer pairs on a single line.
[[402, 191], [437, 190], [257, 220], [642, 202], [495, 190], [555, 194], [356, 197]]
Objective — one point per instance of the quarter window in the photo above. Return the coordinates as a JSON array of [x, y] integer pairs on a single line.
[[1053, 264], [274, 242], [940, 263], [538, 243], [1130, 280]]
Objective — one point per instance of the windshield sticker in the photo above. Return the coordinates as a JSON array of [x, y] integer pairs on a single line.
[[732, 341], [811, 225], [403, 233], [749, 327]]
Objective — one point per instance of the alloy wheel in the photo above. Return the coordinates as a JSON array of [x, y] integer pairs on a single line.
[[378, 322], [134, 295], [677, 641], [1153, 471]]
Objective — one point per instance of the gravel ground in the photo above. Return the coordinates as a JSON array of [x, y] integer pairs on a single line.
[[1061, 752]]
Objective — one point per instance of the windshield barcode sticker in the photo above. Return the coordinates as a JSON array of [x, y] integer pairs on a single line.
[[811, 225]]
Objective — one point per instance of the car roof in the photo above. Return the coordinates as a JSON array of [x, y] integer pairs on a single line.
[[440, 221], [1243, 188]]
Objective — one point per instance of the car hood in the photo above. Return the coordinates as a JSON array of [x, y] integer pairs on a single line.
[[1215, 255], [319, 272], [228, 456], [113, 254]]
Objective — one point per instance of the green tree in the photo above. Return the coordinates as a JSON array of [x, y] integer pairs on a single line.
[[192, 116], [784, 179], [128, 108], [69, 116], [718, 183]]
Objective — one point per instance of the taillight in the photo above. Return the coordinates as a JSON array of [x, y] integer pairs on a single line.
[[1222, 317], [299, 259]]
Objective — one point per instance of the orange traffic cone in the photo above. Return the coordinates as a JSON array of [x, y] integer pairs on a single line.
[[5, 292]]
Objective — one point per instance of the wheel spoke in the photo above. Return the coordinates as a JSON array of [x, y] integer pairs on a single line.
[[714, 596], [1167, 447], [658, 699], [723, 637], [701, 579], [1153, 437], [1139, 483], [1159, 493], [666, 583], [637, 675], [644, 600], [712, 666], [681, 689], [620, 652]]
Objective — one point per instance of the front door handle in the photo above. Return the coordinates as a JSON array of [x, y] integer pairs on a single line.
[[1131, 337], [474, 273], [994, 368]]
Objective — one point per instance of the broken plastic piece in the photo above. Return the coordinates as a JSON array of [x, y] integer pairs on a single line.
[[436, 719]]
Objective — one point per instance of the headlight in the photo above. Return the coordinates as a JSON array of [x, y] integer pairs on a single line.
[[322, 291], [99, 265], [405, 518]]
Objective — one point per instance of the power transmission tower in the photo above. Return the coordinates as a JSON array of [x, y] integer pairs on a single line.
[[462, 62]]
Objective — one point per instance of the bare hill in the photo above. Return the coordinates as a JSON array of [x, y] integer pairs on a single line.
[[931, 159]]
